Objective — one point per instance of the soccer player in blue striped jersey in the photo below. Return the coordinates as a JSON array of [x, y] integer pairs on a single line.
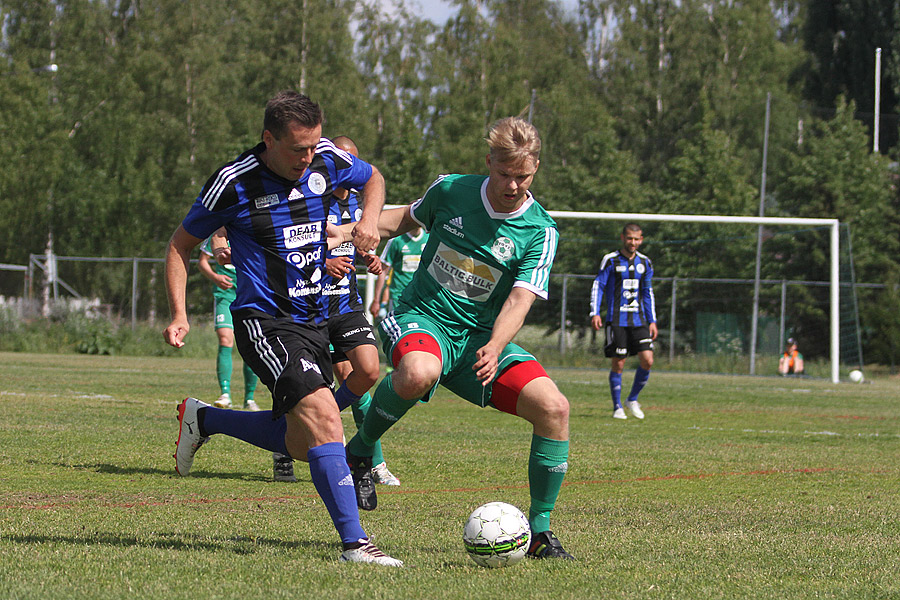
[[623, 292], [273, 201]]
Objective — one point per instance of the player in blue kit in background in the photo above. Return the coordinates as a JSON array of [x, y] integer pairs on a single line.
[[623, 290], [274, 201]]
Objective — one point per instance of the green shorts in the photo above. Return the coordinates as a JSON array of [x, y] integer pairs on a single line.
[[458, 348], [222, 311]]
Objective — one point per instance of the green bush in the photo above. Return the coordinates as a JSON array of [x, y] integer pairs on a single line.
[[81, 333]]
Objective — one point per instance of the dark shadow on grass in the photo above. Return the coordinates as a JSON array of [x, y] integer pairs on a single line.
[[196, 474], [169, 541]]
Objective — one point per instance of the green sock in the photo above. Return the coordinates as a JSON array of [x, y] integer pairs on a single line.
[[360, 408], [250, 380], [389, 407], [223, 369], [547, 467]]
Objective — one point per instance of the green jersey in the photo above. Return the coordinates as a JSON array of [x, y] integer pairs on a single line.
[[403, 254], [476, 255], [218, 293]]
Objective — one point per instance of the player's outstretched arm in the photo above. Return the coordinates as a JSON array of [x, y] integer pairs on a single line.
[[366, 230], [509, 322], [178, 254], [391, 223], [396, 221]]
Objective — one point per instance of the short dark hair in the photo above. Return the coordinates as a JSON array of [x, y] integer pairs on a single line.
[[632, 227], [289, 107]]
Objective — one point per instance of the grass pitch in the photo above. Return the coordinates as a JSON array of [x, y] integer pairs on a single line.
[[732, 487]]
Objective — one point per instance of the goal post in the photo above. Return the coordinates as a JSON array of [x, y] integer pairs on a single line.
[[834, 279]]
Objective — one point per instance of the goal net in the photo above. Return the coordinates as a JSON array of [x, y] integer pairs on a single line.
[[709, 300]]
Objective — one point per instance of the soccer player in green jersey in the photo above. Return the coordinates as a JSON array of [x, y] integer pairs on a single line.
[[224, 292], [488, 256]]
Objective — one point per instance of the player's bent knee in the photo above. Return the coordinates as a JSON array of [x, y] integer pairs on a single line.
[[555, 407], [547, 410], [415, 375], [318, 416], [371, 372], [366, 376]]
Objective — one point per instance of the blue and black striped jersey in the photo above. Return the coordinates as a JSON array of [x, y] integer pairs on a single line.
[[276, 227], [341, 296], [624, 289]]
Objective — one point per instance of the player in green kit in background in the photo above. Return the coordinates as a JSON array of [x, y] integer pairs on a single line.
[[224, 293], [401, 255], [489, 254]]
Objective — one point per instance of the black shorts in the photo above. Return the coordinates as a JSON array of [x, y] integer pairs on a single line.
[[347, 332], [626, 341], [290, 358]]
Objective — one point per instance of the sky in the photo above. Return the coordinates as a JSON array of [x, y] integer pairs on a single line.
[[440, 10], [436, 10]]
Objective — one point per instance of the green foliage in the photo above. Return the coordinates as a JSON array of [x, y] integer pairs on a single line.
[[841, 38], [834, 174], [654, 106]]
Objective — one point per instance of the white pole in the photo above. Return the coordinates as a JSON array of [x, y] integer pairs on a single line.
[[370, 295], [754, 320], [835, 302], [742, 219], [875, 126]]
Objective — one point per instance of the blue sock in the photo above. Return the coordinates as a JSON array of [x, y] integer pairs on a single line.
[[615, 388], [255, 428], [640, 380], [344, 397], [329, 470]]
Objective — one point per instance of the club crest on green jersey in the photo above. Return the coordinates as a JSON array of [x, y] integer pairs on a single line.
[[503, 249]]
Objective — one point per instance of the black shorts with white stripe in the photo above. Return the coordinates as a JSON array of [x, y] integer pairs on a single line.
[[290, 358], [348, 331], [626, 341]]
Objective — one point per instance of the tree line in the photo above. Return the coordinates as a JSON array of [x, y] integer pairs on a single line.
[[113, 113]]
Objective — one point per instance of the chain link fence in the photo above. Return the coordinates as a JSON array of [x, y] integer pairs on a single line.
[[704, 324]]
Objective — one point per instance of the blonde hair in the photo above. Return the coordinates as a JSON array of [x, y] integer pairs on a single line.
[[512, 140]]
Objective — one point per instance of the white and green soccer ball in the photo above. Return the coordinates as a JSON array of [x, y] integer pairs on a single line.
[[497, 534], [856, 376]]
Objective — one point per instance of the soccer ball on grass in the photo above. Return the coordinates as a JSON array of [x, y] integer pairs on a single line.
[[856, 376], [497, 534]]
